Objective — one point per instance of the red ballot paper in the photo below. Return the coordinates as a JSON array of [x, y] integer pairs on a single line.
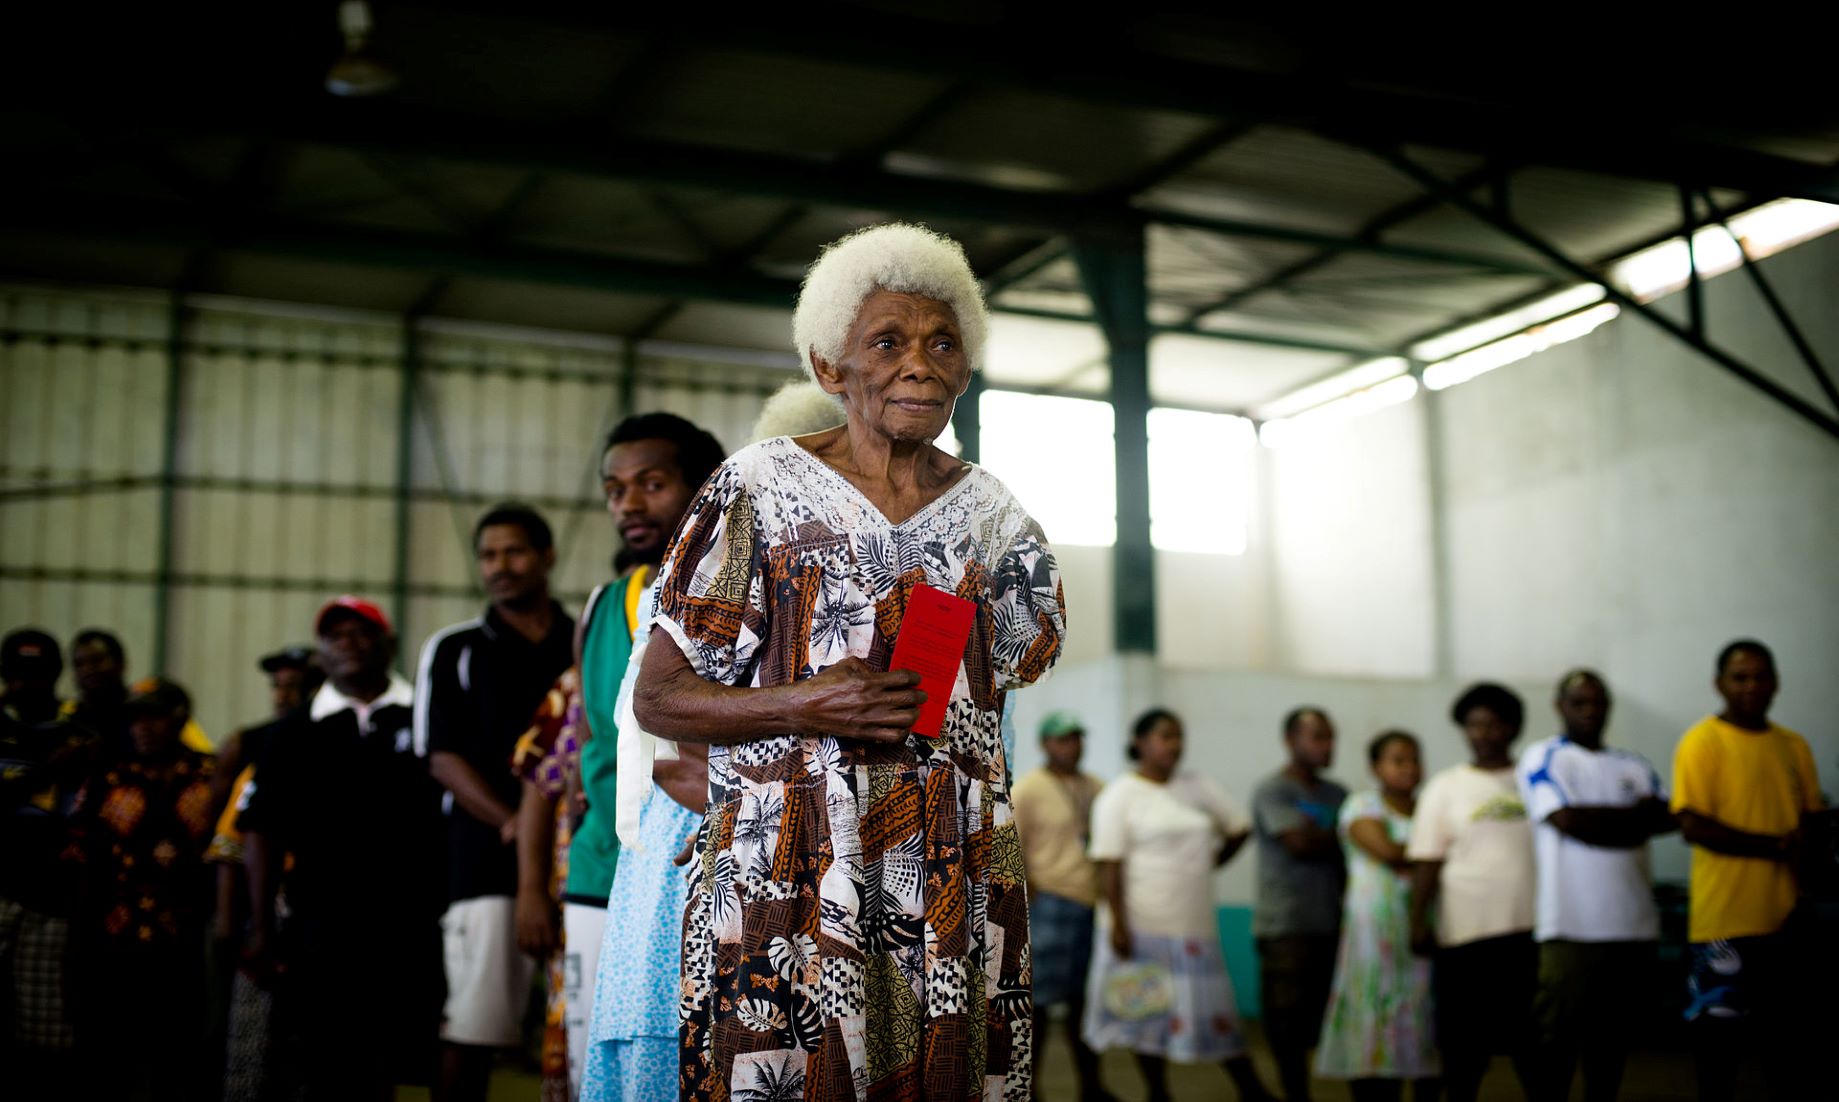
[[931, 643]]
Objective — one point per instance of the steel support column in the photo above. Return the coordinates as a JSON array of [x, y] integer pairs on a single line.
[[967, 421], [1436, 185], [405, 468], [1115, 277], [169, 471]]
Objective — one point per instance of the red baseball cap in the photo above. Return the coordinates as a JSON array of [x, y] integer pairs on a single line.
[[355, 605]]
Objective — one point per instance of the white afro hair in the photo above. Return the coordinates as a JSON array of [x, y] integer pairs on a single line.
[[898, 257], [798, 408]]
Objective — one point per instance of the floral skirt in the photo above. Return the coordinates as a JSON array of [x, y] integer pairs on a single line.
[[1171, 998]]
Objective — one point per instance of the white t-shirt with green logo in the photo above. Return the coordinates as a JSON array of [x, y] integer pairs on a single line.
[[1474, 821]]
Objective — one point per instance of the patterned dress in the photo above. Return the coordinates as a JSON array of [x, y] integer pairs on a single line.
[[858, 927], [544, 754], [1378, 1024]]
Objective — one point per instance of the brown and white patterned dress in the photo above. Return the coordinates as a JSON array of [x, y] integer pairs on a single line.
[[860, 925]]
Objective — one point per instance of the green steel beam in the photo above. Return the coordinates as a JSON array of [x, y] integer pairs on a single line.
[[1027, 264], [1378, 224], [849, 183], [1291, 235], [967, 420], [308, 240], [1116, 279], [1237, 336], [1103, 66], [405, 466], [617, 275], [1192, 152]]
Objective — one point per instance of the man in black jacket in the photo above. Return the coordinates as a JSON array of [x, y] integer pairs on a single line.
[[344, 792]]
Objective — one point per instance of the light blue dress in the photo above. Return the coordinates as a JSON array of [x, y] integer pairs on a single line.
[[632, 1037]]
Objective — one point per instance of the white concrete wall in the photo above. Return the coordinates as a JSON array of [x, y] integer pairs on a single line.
[[1350, 531]]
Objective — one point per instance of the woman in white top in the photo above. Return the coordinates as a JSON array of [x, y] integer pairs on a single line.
[[1158, 984], [1472, 853]]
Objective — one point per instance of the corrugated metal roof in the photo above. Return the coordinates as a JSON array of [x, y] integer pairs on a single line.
[[746, 100], [1289, 177], [582, 138]]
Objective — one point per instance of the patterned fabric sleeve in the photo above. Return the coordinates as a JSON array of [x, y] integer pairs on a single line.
[[1028, 611], [711, 588], [547, 749], [227, 841], [1364, 805]]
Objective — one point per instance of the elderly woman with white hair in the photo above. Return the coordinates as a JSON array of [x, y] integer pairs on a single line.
[[859, 927]]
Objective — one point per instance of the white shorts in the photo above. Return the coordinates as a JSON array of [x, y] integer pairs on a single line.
[[583, 926], [488, 976]]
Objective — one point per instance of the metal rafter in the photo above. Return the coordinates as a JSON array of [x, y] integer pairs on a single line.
[[182, 227], [1104, 70], [1380, 223], [1192, 152], [1780, 309], [816, 181], [743, 255], [1440, 187]]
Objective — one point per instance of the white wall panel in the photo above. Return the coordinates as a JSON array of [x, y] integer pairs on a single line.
[[277, 411], [281, 409]]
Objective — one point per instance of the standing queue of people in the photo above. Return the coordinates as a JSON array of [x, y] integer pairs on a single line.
[[1407, 937], [351, 895], [790, 890]]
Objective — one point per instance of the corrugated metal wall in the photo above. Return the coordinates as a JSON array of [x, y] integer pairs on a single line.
[[285, 478]]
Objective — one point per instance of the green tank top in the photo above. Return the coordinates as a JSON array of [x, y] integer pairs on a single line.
[[593, 854]]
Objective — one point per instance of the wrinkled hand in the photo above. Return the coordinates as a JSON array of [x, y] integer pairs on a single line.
[[851, 700], [1120, 940], [536, 924]]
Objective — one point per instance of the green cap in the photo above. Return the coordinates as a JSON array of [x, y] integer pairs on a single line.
[[1061, 723]]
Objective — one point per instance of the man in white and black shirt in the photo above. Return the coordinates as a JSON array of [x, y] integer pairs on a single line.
[[479, 684], [1593, 810]]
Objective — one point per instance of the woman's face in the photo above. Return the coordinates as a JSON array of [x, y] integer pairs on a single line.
[[903, 367], [1160, 746], [1398, 768], [1489, 735]]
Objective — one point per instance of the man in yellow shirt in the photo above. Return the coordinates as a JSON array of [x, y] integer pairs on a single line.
[[1053, 812], [1741, 787]]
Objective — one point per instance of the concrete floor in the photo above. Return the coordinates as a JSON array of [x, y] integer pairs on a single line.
[[1653, 1076]]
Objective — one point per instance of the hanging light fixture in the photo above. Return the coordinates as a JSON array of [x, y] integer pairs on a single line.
[[356, 73]]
